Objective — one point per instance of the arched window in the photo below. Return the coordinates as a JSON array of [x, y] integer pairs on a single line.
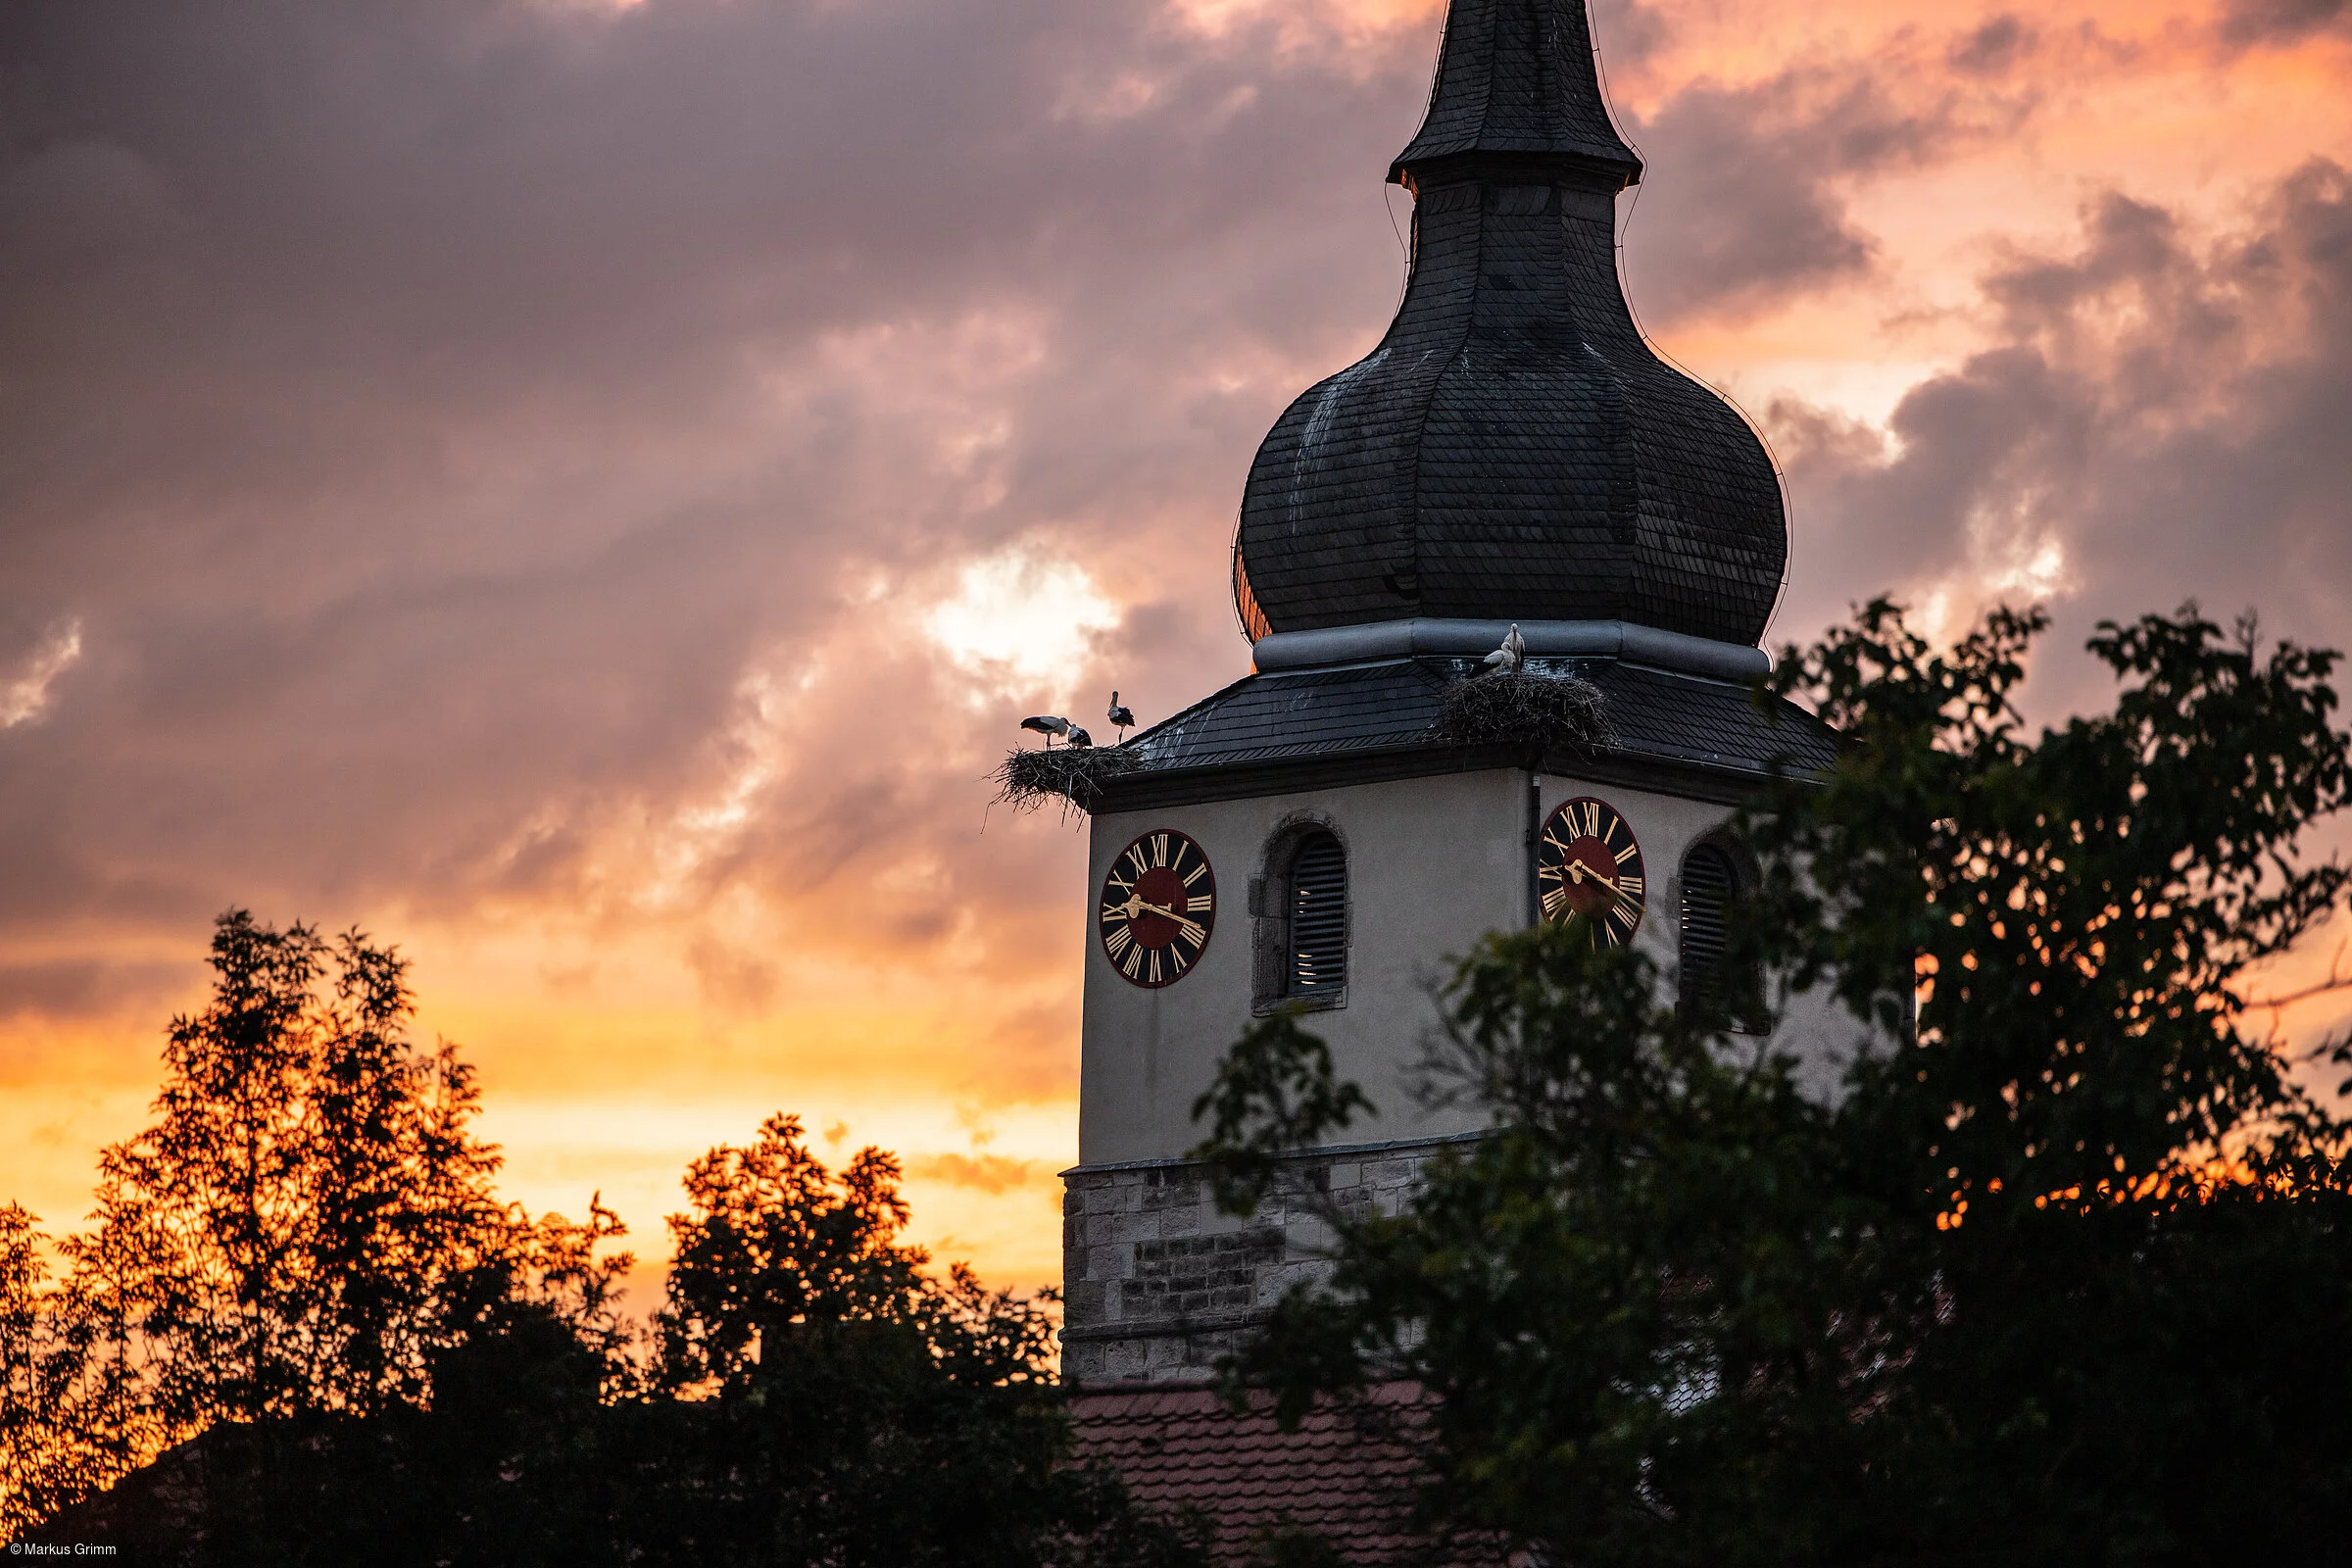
[[1710, 881], [1316, 961]]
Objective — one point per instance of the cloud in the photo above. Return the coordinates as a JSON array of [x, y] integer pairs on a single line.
[[587, 490], [24, 694], [2157, 417], [2277, 22], [476, 433], [1017, 619], [1745, 201], [987, 1173]]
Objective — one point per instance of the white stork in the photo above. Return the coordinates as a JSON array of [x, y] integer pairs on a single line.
[[1507, 660], [1048, 725]]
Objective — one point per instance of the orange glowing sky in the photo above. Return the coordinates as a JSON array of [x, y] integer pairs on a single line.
[[584, 490]]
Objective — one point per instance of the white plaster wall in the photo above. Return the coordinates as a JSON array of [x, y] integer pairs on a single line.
[[1823, 1036], [1434, 863]]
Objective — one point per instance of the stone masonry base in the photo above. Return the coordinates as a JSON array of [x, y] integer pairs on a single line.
[[1158, 1283]]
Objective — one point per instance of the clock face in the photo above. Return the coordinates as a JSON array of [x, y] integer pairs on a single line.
[[1158, 905], [1588, 864]]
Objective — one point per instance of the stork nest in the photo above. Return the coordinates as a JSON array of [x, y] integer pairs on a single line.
[[1524, 708], [1072, 774]]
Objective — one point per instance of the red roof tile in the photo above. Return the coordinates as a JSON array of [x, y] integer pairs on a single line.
[[1345, 1474]]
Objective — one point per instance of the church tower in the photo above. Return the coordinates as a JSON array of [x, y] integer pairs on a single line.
[[1324, 833]]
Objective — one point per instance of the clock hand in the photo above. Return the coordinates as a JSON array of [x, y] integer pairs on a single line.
[[1135, 903], [1578, 870], [1178, 918]]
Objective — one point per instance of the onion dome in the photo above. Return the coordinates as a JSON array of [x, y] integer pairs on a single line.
[[1512, 450]]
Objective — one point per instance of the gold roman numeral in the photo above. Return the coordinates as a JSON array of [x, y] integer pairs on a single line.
[[1133, 964], [1135, 857], [1592, 818], [1155, 966], [1200, 903], [1118, 942], [1628, 853], [1159, 849], [1196, 873], [1630, 885]]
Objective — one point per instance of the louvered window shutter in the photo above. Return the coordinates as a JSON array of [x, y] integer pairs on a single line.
[[1318, 957], [1709, 882]]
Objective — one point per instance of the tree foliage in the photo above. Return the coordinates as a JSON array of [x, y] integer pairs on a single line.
[[2061, 1268], [304, 1330], [306, 1225], [827, 1398]]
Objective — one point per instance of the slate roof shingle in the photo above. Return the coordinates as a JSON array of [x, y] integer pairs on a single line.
[[1512, 449], [1394, 706], [1517, 76]]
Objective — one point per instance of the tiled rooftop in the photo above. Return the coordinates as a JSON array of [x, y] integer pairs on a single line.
[[1394, 706], [1342, 1475], [1513, 448]]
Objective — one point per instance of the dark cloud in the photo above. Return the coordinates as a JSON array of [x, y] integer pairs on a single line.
[[1745, 202], [429, 414], [1626, 34], [2168, 412], [2277, 22], [1992, 49], [78, 987], [496, 454]]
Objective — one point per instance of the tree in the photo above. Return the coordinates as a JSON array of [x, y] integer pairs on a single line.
[[304, 1294], [51, 1451], [306, 1225], [2060, 1272], [834, 1402]]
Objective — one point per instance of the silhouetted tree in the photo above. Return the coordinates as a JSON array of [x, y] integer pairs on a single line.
[[2063, 1269], [302, 1269], [56, 1443], [308, 1223], [838, 1403]]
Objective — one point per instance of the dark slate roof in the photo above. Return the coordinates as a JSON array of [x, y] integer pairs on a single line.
[[1512, 449], [1516, 76], [1342, 1475], [1388, 709]]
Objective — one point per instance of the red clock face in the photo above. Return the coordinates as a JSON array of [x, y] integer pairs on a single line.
[[1588, 864], [1158, 905]]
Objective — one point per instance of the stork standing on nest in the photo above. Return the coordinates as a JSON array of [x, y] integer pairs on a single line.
[[1049, 725], [1120, 714], [1507, 660]]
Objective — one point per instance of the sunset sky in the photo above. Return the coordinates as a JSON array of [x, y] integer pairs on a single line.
[[585, 491]]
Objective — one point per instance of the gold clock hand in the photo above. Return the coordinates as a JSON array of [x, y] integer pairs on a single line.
[[1137, 903], [1578, 870], [1178, 918]]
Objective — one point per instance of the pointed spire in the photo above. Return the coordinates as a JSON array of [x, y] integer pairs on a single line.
[[1516, 84], [1513, 450]]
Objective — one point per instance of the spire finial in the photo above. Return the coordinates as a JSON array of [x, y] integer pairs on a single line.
[[1516, 84]]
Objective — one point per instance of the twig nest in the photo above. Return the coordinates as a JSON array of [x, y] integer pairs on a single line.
[[1524, 708], [1072, 774]]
